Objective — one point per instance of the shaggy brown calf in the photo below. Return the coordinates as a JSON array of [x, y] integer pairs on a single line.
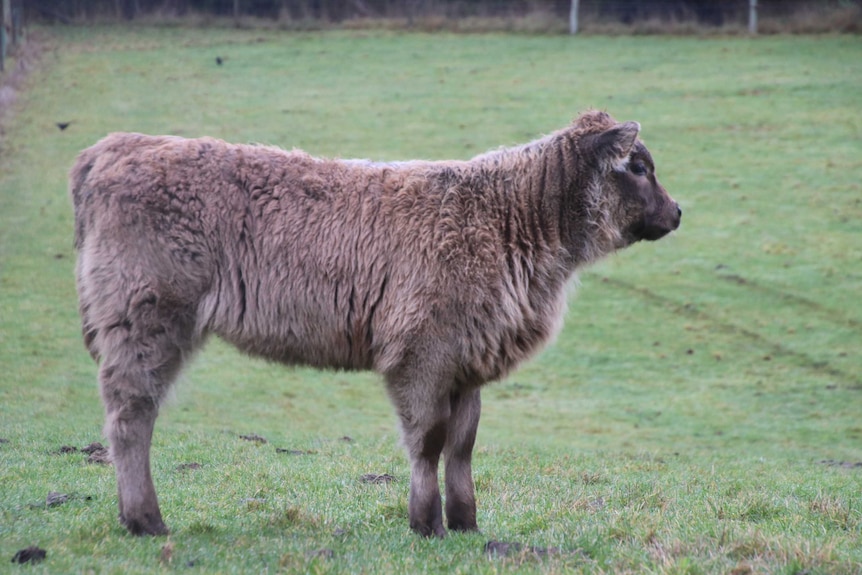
[[442, 276]]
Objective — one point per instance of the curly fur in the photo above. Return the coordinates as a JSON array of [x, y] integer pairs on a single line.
[[440, 275]]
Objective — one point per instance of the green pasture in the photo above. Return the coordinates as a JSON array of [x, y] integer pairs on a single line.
[[701, 412]]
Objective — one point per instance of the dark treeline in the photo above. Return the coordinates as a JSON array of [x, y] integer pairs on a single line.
[[628, 12]]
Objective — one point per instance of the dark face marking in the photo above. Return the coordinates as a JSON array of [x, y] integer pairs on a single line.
[[650, 212]]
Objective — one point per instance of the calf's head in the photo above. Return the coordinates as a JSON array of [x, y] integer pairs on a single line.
[[637, 205]]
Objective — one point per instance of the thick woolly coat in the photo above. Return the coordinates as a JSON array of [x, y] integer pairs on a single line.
[[440, 275], [347, 264]]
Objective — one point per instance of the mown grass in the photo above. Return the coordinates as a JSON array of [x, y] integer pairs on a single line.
[[698, 414]]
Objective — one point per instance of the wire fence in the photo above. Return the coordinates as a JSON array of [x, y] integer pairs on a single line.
[[548, 16], [703, 12]]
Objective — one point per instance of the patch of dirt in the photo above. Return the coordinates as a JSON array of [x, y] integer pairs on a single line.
[[502, 548], [322, 553], [252, 503], [383, 478], [97, 453], [506, 549], [166, 554], [188, 466], [842, 464], [93, 448], [31, 554], [253, 437], [101, 457], [294, 451], [55, 498], [346, 439]]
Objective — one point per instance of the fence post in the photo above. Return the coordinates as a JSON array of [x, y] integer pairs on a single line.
[[2, 34], [573, 18], [16, 22], [5, 29], [752, 16]]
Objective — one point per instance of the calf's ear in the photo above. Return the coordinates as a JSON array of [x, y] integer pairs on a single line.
[[615, 144]]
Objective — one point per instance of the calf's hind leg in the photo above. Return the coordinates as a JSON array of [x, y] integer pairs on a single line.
[[458, 453], [129, 430], [141, 356]]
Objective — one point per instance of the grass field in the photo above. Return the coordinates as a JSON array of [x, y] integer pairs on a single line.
[[700, 413]]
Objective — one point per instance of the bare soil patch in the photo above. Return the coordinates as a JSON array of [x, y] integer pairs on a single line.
[[96, 452], [253, 437], [31, 554], [283, 450], [842, 464], [379, 479], [509, 549]]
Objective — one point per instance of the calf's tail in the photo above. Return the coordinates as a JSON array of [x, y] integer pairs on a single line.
[[80, 194]]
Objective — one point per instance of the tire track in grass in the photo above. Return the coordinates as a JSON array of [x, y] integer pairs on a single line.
[[776, 349], [829, 314]]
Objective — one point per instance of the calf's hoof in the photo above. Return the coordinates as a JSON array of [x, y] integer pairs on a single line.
[[426, 530], [146, 525], [463, 526]]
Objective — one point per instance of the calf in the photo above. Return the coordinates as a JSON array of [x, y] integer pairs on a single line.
[[441, 276]]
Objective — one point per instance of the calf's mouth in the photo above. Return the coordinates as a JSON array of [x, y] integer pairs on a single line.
[[658, 226]]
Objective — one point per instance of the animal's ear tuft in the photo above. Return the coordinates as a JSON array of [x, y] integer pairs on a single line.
[[614, 145]]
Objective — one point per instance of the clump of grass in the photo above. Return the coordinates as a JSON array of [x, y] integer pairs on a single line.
[[836, 512]]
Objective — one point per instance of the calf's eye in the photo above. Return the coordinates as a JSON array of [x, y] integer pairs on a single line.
[[638, 169]]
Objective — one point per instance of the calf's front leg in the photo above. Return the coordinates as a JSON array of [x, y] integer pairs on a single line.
[[458, 452], [424, 414]]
